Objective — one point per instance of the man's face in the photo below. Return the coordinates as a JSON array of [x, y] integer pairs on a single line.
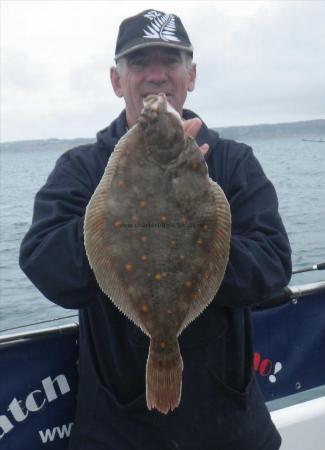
[[151, 71]]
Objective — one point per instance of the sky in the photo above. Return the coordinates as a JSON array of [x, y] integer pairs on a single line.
[[257, 62]]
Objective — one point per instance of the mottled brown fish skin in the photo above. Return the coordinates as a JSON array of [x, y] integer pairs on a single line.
[[157, 233]]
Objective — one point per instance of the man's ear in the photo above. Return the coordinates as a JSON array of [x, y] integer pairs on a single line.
[[192, 74], [116, 81]]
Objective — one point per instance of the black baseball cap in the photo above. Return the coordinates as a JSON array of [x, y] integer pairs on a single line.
[[151, 28]]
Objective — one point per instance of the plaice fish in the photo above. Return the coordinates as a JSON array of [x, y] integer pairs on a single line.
[[157, 233]]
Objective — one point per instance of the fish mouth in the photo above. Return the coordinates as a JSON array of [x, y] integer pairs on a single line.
[[163, 103], [168, 95]]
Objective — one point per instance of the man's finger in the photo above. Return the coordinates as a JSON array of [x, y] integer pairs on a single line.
[[204, 149], [192, 127]]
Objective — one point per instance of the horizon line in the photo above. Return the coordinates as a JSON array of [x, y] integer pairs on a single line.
[[214, 128]]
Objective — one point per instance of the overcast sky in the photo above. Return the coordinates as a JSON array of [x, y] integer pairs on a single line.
[[258, 62]]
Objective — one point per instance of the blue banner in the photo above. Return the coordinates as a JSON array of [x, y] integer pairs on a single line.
[[38, 382], [290, 347], [38, 375]]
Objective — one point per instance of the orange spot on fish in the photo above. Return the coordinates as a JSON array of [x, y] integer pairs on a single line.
[[158, 277], [143, 238], [164, 274], [144, 308], [163, 218], [206, 275], [120, 183], [182, 257], [183, 220], [118, 223], [205, 227], [199, 241], [144, 258], [128, 267], [195, 166], [188, 284], [169, 311], [143, 204], [173, 242], [162, 344]]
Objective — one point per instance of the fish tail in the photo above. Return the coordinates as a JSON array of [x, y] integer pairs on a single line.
[[164, 375]]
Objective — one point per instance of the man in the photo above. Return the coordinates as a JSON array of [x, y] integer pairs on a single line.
[[221, 406]]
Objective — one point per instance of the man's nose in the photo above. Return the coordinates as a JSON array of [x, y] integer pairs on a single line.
[[156, 73]]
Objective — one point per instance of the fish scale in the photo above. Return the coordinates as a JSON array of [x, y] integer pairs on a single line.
[[157, 234]]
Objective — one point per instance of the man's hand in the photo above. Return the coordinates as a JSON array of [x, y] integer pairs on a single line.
[[191, 128]]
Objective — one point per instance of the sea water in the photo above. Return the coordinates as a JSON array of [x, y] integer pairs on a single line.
[[296, 168]]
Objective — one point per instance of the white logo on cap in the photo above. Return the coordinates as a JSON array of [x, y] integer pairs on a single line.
[[162, 26]]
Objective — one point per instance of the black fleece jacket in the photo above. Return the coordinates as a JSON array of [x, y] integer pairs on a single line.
[[221, 407]]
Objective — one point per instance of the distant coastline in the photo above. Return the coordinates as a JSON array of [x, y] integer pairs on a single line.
[[308, 129], [311, 129], [45, 144]]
